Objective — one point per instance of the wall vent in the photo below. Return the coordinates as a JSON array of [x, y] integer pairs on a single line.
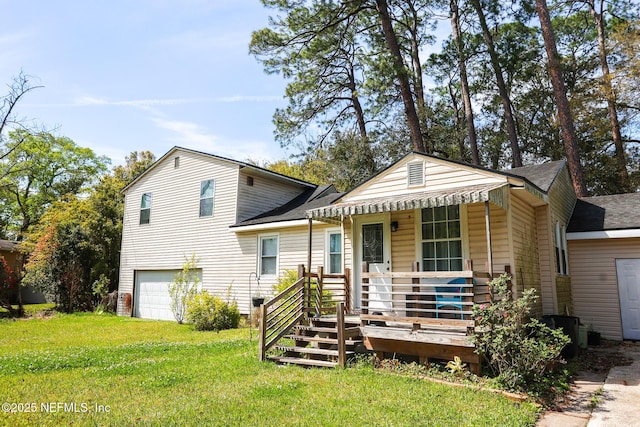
[[415, 174]]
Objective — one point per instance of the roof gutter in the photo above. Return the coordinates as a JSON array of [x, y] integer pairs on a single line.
[[272, 225], [604, 234]]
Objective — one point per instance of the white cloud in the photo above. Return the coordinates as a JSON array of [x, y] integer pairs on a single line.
[[94, 101], [193, 136]]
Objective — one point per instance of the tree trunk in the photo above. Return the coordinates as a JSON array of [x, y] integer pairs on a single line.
[[571, 147], [621, 161], [401, 74], [464, 83], [502, 87]]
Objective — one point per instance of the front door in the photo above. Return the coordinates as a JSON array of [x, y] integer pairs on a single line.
[[629, 289], [374, 248]]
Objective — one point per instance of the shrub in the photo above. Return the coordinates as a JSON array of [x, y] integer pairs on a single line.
[[184, 287], [517, 348], [210, 313]]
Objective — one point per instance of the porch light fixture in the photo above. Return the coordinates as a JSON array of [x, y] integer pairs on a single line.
[[394, 226]]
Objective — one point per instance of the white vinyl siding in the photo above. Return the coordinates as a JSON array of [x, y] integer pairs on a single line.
[[175, 230], [595, 283], [263, 195], [268, 255], [438, 173], [207, 190]]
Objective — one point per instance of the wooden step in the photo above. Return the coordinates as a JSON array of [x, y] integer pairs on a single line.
[[312, 350], [304, 362], [350, 332], [308, 338], [306, 328]]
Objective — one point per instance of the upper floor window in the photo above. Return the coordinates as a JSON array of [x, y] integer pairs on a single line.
[[441, 239], [145, 208], [334, 252], [206, 197], [268, 255], [560, 243]]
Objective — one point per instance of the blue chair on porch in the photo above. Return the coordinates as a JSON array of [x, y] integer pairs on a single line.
[[450, 300]]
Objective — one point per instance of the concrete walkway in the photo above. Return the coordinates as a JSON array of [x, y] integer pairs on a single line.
[[619, 403], [600, 399]]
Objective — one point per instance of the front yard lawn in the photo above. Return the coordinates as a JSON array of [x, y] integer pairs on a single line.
[[88, 369]]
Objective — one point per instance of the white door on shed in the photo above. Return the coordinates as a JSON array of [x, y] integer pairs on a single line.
[[629, 288], [151, 299]]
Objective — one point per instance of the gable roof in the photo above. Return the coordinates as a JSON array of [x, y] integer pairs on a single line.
[[296, 208], [241, 165], [541, 175], [601, 213]]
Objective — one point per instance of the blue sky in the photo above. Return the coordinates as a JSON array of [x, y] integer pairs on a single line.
[[120, 76]]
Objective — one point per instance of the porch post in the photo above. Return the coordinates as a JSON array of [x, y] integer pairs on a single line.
[[487, 219], [309, 242]]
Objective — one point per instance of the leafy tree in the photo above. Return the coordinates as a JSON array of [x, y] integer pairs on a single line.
[[8, 288], [76, 243], [60, 264], [39, 169]]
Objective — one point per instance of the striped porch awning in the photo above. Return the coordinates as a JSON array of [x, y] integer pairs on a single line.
[[493, 193]]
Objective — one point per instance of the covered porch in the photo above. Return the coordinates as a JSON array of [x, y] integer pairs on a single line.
[[413, 282]]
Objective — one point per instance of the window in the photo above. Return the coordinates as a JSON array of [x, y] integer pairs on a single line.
[[334, 252], [560, 242], [206, 197], [268, 253], [415, 174], [145, 208], [441, 239], [176, 162]]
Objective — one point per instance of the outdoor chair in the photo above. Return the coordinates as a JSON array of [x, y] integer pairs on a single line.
[[450, 300]]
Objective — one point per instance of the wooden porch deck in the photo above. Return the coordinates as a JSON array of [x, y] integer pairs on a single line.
[[405, 321]]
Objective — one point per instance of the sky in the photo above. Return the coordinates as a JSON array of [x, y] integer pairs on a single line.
[[123, 76]]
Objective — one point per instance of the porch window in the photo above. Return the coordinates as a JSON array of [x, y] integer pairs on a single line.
[[206, 197], [145, 208], [268, 255], [441, 239], [562, 264], [334, 251]]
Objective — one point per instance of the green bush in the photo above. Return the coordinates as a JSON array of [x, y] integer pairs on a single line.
[[211, 313], [518, 349]]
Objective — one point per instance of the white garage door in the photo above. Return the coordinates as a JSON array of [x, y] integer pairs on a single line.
[[629, 288], [151, 299]]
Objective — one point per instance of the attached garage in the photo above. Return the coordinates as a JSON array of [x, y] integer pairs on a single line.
[[151, 298], [604, 263]]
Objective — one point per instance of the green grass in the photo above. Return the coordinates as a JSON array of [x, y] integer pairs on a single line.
[[29, 309], [162, 373]]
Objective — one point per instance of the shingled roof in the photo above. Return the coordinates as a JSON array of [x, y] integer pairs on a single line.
[[616, 212], [296, 208], [542, 175]]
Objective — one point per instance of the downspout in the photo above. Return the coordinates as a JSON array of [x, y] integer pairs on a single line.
[[487, 220]]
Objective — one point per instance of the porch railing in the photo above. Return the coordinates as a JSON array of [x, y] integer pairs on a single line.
[[312, 294], [421, 297]]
